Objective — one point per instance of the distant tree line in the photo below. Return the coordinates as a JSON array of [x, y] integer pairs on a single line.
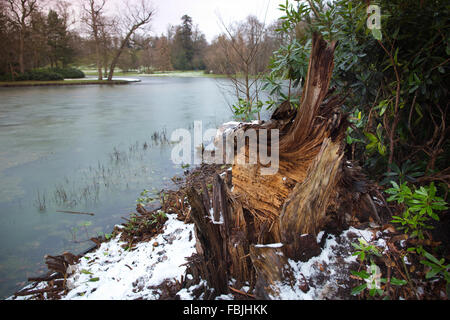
[[32, 38], [35, 35]]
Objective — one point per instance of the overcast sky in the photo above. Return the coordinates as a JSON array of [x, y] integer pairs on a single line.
[[206, 13]]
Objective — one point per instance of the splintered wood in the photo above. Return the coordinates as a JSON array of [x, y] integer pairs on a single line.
[[312, 189], [301, 146]]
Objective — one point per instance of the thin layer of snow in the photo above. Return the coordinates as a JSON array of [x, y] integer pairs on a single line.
[[365, 234], [225, 297], [211, 217], [187, 293], [113, 273], [381, 243], [319, 236], [270, 245], [114, 78], [326, 273]]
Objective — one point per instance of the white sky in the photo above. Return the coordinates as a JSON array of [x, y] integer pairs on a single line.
[[206, 13]]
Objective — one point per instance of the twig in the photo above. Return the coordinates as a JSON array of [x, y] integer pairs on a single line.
[[29, 293], [76, 212], [242, 292], [396, 110]]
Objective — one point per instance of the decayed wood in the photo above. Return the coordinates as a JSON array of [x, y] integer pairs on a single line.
[[312, 188], [305, 209], [320, 70], [61, 263], [211, 242], [272, 271], [222, 237], [318, 118]]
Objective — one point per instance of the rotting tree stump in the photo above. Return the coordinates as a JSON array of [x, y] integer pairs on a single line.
[[314, 187]]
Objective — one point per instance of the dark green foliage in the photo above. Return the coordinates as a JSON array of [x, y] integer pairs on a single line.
[[183, 48], [39, 75], [5, 77], [395, 80], [47, 74], [69, 73], [58, 40], [397, 88], [421, 205]]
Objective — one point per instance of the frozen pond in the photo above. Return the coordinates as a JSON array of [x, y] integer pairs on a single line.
[[90, 149]]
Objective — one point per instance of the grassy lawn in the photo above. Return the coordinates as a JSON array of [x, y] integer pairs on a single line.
[[193, 73], [58, 83]]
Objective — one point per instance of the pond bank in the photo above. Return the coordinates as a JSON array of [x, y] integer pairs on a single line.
[[145, 258], [150, 257], [160, 254]]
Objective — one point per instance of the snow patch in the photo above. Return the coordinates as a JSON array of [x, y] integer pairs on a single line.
[[113, 273], [271, 245]]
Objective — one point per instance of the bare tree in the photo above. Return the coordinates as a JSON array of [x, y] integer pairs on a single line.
[[133, 18], [243, 64], [21, 10], [93, 18], [107, 32], [66, 12]]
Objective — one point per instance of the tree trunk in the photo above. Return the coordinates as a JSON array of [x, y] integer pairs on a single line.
[[21, 50], [313, 188], [272, 270], [301, 141], [98, 59], [115, 59], [222, 237], [120, 50]]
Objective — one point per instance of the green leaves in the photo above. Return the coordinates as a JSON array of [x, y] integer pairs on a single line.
[[245, 110], [84, 271], [437, 267], [145, 197], [397, 282], [362, 274], [408, 172], [365, 249], [376, 141], [370, 282], [85, 224], [421, 205], [357, 290]]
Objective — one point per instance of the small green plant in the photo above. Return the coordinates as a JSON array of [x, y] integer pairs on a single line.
[[421, 205], [159, 216], [376, 141], [107, 236], [407, 172], [246, 110], [358, 121], [364, 249], [372, 277], [373, 281], [437, 267], [145, 198]]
